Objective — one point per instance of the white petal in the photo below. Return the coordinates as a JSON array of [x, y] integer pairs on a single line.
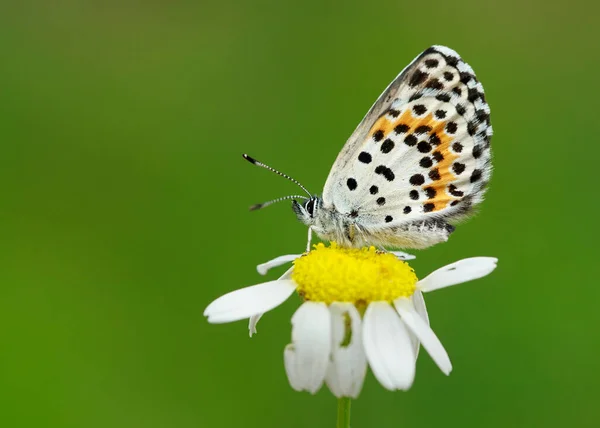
[[388, 346], [289, 362], [419, 304], [348, 365], [458, 272], [307, 357], [426, 336], [254, 318], [252, 323], [403, 256], [245, 302], [277, 261]]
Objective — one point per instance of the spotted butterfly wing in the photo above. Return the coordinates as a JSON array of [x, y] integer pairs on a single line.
[[420, 159]]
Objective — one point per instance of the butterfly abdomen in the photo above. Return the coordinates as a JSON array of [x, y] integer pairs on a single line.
[[347, 230], [417, 235]]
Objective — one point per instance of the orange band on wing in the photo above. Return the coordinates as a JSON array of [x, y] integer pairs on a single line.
[[437, 131]]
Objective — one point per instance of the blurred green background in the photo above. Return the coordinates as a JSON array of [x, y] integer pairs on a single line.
[[124, 208]]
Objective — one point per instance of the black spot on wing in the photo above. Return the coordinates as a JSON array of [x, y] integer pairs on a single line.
[[424, 147], [472, 127], [417, 78], [457, 147], [401, 129], [423, 129], [454, 191], [365, 157], [428, 207], [465, 77], [386, 172], [443, 97], [476, 175], [419, 109], [482, 116], [415, 96], [474, 94], [387, 146], [430, 192], [452, 61], [458, 168], [426, 162], [438, 156], [417, 179], [434, 84], [378, 135], [410, 140], [351, 183], [451, 127]]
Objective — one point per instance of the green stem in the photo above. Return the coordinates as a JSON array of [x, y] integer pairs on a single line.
[[343, 412]]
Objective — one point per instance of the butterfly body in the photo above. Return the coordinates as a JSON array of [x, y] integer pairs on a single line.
[[347, 230]]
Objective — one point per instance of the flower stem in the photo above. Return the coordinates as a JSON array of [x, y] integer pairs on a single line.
[[343, 412]]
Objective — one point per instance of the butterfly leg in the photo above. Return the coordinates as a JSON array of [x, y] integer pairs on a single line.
[[309, 239]]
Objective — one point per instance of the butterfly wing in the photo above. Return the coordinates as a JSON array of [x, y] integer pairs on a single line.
[[421, 153]]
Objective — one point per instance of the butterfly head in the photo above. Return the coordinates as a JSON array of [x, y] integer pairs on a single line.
[[308, 210]]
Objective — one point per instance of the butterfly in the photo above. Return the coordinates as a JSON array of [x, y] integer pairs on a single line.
[[417, 163]]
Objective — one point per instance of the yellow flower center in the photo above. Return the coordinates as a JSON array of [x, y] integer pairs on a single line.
[[355, 275]]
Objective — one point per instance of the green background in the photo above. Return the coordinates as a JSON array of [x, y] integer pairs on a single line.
[[124, 208]]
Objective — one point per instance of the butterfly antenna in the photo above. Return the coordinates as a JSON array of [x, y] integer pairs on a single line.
[[257, 163], [266, 204]]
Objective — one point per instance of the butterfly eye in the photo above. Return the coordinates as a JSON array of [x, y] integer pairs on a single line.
[[310, 206]]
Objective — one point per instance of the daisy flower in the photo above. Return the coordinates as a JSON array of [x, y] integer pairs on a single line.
[[361, 307]]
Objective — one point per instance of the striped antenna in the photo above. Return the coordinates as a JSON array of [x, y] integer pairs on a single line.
[[257, 163], [284, 198]]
